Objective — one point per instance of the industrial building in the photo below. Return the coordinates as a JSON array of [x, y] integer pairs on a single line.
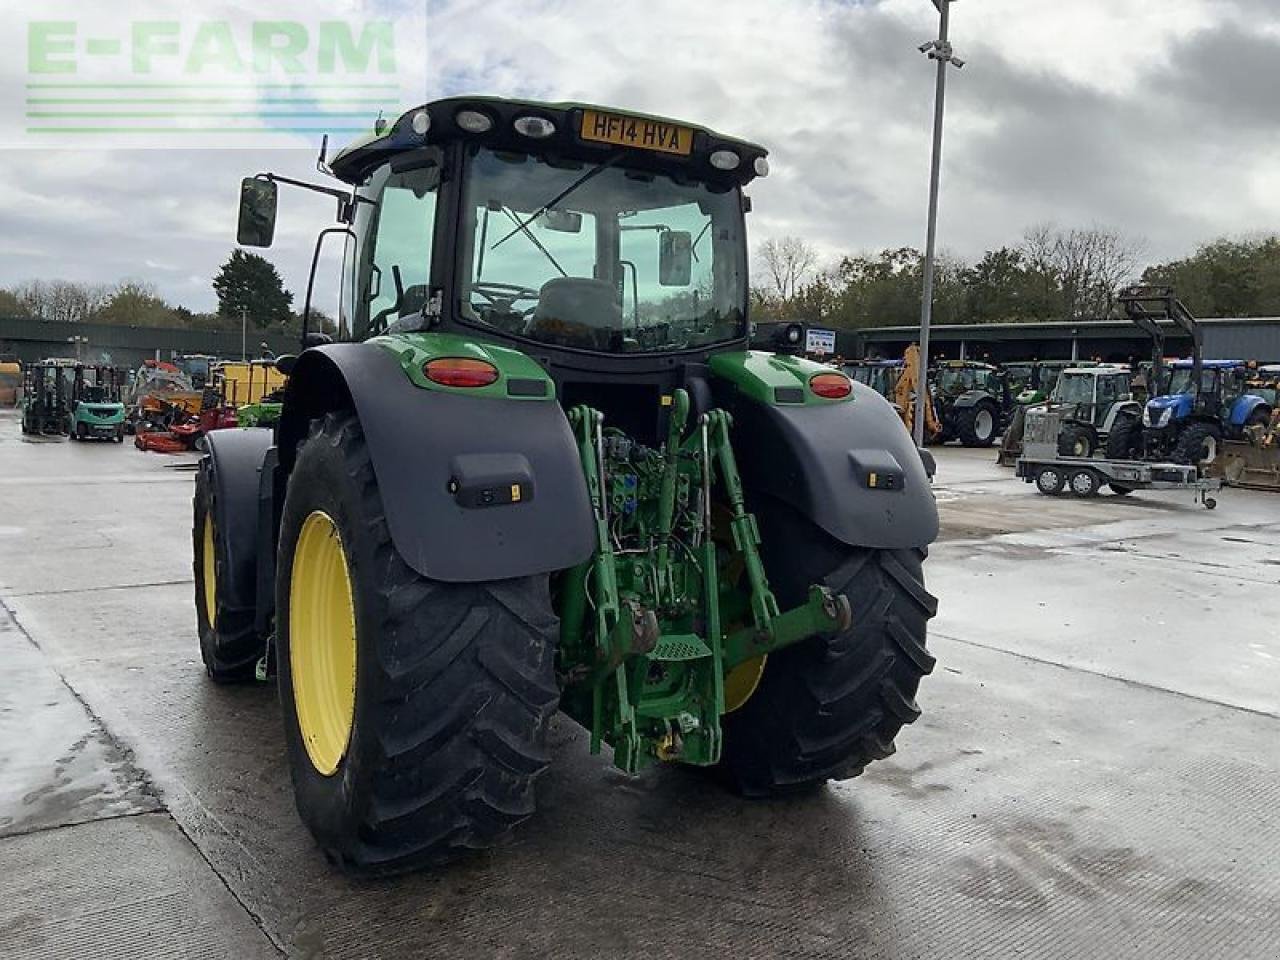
[[1114, 341]]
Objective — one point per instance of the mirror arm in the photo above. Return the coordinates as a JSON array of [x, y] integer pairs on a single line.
[[347, 200]]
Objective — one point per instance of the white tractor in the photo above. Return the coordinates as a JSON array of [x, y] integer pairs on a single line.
[[1089, 401]]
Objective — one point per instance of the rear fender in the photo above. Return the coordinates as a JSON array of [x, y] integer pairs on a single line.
[[234, 461], [1244, 407], [435, 454], [824, 459], [971, 398]]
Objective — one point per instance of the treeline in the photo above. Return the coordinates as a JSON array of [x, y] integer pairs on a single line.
[[248, 288], [1051, 274]]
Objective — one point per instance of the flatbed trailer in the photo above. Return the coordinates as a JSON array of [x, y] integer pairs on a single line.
[[1083, 477]]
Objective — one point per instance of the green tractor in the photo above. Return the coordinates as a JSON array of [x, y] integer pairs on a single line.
[[540, 469], [973, 401], [46, 397], [97, 411]]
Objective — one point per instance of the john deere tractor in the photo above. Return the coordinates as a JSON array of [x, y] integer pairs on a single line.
[[539, 469]]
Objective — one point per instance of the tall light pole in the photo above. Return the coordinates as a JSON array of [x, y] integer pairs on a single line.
[[244, 325], [939, 51]]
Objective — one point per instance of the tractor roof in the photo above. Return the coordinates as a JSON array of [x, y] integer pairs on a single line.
[[1208, 364], [649, 142], [1099, 370]]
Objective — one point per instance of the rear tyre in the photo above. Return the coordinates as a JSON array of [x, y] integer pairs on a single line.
[[976, 426], [1124, 442], [1198, 444], [1084, 483], [827, 707], [229, 643], [453, 683], [1075, 441], [1050, 481]]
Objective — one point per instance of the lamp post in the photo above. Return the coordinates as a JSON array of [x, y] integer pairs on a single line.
[[939, 51]]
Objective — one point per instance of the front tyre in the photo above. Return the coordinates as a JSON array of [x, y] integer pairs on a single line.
[[1124, 442], [1198, 444], [415, 711], [1075, 440], [828, 706]]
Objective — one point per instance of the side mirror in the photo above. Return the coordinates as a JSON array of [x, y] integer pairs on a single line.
[[562, 221], [286, 362], [257, 226], [675, 258]]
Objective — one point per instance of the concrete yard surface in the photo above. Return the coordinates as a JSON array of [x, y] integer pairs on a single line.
[[1096, 772]]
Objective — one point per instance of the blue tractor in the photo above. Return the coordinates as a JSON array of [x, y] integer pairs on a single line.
[[1195, 403]]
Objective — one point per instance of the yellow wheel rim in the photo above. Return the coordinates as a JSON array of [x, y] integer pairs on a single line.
[[741, 682], [322, 642], [209, 568]]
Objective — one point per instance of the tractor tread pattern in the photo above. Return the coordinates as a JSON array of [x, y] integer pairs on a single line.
[[967, 425], [831, 705], [231, 649], [463, 694], [1190, 445]]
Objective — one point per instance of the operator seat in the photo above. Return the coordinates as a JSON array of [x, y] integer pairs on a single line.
[[577, 312]]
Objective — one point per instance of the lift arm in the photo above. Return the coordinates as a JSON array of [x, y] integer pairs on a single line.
[[1147, 306]]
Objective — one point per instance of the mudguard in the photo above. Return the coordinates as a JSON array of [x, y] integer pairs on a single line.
[[849, 467], [235, 459], [447, 465], [1244, 408], [971, 398]]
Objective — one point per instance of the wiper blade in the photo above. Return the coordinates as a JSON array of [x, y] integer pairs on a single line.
[[524, 226]]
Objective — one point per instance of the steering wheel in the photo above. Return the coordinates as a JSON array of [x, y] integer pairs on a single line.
[[502, 298], [504, 293]]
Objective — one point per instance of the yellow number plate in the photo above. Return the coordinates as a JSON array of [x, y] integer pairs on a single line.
[[636, 132]]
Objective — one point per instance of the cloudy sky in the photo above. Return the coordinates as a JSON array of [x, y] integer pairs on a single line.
[[1159, 119]]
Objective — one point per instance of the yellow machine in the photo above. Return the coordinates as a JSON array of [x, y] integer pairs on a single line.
[[905, 395], [10, 383], [243, 383]]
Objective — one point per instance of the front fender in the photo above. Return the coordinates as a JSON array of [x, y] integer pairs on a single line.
[[419, 441], [831, 461]]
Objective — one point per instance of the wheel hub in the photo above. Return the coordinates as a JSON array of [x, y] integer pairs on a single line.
[[209, 569], [322, 642]]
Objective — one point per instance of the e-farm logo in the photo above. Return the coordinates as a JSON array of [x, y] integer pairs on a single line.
[[165, 82]]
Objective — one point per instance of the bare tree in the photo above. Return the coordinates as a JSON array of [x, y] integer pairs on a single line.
[[62, 300], [1087, 266], [789, 261]]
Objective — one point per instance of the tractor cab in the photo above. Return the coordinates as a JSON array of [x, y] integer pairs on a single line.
[[1092, 392], [599, 244], [880, 375]]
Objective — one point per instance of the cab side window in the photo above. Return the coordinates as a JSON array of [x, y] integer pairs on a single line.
[[397, 258]]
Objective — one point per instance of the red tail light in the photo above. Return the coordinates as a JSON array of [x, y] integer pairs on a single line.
[[460, 372], [830, 386]]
